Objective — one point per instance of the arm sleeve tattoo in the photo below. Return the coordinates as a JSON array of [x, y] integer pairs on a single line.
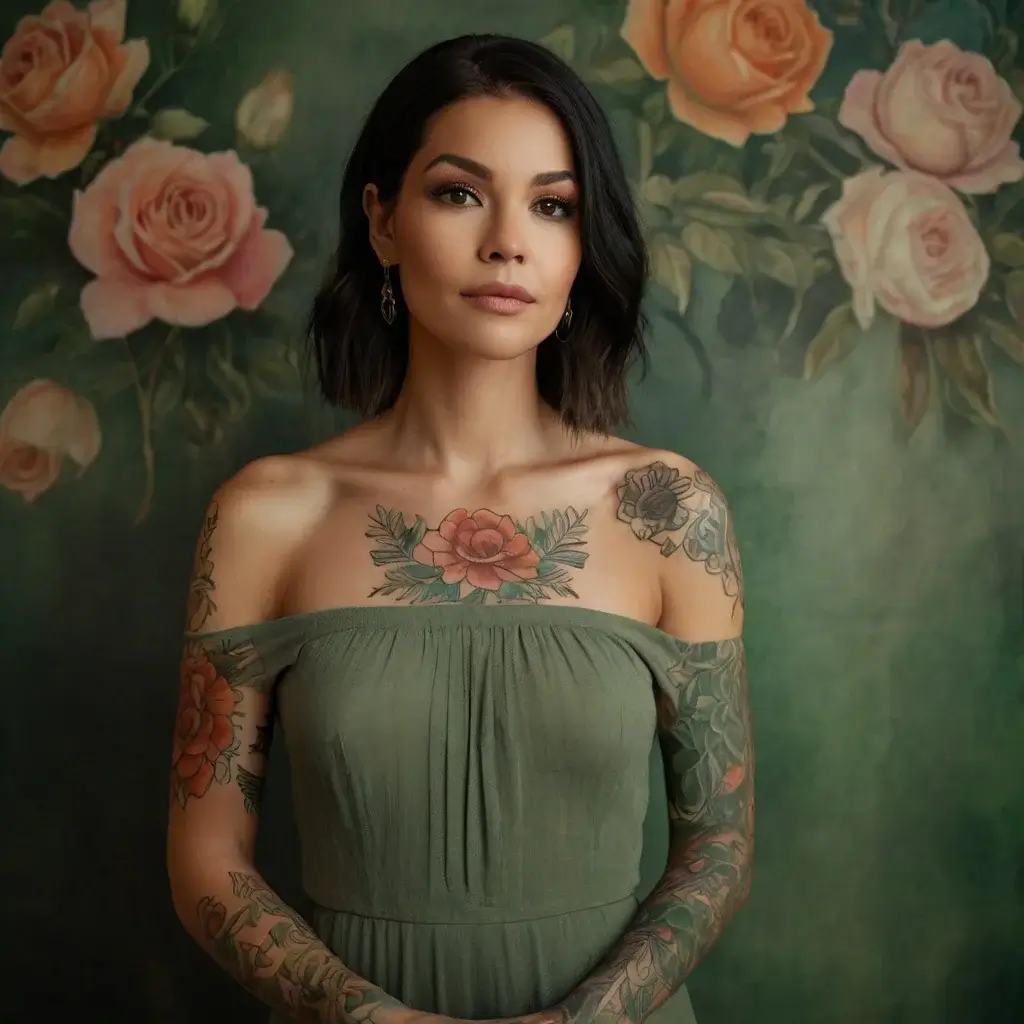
[[705, 733], [220, 743]]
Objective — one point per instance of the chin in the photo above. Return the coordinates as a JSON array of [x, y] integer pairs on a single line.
[[493, 340]]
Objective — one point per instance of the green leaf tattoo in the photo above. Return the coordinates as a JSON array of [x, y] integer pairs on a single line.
[[275, 954], [200, 592], [687, 513], [707, 744], [474, 559]]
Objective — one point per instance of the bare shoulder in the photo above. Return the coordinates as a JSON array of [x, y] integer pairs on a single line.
[[252, 528], [668, 500]]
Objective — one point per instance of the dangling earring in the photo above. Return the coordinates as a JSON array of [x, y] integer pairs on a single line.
[[562, 330], [387, 297]]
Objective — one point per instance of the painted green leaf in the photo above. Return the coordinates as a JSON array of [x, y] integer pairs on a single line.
[[696, 186], [734, 201], [174, 124], [75, 339], [834, 341], [806, 204], [1014, 286], [229, 382], [645, 148], [621, 71], [37, 303], [712, 247], [960, 355], [91, 165], [202, 423], [170, 388], [562, 42], [915, 376], [1008, 249], [1009, 339], [655, 108], [672, 268], [786, 262]]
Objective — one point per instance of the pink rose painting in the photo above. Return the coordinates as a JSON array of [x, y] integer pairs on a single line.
[[43, 424], [60, 73], [940, 111], [175, 235], [904, 241]]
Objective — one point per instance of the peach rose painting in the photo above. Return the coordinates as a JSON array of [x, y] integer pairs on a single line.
[[731, 68], [836, 168], [165, 255]]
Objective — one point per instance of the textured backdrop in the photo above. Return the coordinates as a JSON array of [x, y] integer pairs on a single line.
[[834, 201]]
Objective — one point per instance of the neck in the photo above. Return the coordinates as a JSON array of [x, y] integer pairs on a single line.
[[466, 418]]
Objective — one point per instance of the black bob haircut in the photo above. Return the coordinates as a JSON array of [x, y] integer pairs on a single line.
[[361, 361]]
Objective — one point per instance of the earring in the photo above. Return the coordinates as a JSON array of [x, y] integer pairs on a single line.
[[387, 297], [562, 330]]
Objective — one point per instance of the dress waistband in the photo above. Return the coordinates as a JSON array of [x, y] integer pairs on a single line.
[[469, 913]]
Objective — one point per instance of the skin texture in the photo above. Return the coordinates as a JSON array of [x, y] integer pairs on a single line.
[[490, 198]]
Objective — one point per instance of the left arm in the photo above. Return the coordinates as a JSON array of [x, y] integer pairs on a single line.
[[706, 740]]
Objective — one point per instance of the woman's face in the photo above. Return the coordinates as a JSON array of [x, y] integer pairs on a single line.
[[488, 203]]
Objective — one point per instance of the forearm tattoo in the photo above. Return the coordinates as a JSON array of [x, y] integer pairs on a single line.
[[275, 954], [706, 738]]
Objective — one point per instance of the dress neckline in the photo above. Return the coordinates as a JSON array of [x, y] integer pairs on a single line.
[[453, 615]]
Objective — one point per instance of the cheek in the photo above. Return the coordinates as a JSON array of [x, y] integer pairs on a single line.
[[433, 249]]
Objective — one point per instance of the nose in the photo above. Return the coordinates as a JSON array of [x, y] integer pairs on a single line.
[[504, 240]]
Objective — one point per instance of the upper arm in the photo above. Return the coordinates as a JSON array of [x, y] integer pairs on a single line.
[[704, 713], [224, 715]]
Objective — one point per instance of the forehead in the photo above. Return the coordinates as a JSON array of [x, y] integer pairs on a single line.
[[512, 136]]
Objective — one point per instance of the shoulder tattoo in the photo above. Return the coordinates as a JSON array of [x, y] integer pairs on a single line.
[[683, 512]]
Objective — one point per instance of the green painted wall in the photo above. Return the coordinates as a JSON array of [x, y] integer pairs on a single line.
[[875, 468]]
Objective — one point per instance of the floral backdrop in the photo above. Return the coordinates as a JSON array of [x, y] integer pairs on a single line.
[[832, 193]]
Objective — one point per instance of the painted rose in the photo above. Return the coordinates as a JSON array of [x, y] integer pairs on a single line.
[[203, 730], [266, 111], [733, 67], [43, 424], [484, 549], [61, 72], [175, 235], [941, 111], [904, 240]]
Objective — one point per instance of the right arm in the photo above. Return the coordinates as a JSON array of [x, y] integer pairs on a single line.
[[219, 760]]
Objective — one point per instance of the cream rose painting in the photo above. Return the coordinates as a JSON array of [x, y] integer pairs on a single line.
[[847, 168], [940, 111]]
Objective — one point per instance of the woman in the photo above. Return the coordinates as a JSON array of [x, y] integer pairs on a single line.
[[472, 612]]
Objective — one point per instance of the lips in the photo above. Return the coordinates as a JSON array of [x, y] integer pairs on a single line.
[[501, 291]]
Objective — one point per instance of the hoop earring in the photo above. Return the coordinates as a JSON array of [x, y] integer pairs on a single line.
[[562, 330], [387, 297]]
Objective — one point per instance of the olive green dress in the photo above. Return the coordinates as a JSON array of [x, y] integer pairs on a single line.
[[470, 784]]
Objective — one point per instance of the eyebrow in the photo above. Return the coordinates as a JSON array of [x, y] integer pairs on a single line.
[[478, 170]]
